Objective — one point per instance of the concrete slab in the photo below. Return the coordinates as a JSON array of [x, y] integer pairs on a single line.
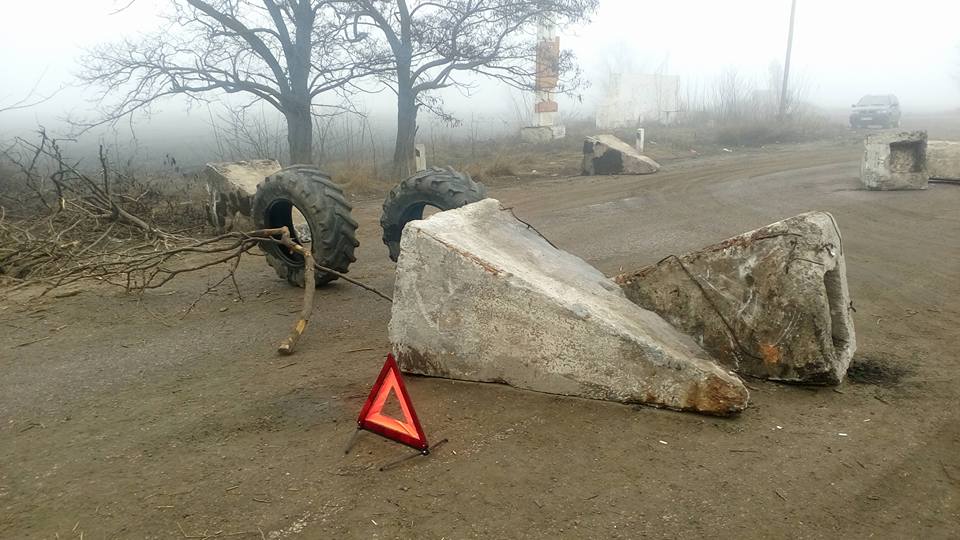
[[231, 186], [943, 160], [895, 160], [542, 134], [606, 154], [481, 297], [770, 303]]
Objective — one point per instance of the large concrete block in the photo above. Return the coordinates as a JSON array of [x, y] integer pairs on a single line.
[[895, 160], [231, 186], [606, 154], [481, 297], [542, 134], [770, 303], [943, 160]]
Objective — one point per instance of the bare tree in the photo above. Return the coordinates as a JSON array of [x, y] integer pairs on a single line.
[[246, 131], [793, 99], [283, 52], [31, 99], [732, 92], [428, 45]]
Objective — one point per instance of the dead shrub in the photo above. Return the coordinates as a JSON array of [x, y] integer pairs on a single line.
[[55, 217]]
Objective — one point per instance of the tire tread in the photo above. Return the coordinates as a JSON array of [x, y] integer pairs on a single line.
[[444, 188], [325, 208]]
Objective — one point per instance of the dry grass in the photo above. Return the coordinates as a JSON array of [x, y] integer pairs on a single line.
[[500, 168], [360, 181], [664, 143], [764, 132]]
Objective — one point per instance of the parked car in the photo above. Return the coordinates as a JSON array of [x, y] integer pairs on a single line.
[[883, 111]]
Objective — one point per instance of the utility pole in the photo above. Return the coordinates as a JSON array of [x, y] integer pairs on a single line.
[[786, 63]]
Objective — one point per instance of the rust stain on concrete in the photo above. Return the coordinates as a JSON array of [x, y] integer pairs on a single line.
[[771, 353]]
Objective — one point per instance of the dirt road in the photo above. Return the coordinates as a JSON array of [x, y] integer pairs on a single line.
[[129, 419]]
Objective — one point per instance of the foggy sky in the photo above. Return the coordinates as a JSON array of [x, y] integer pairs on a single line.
[[842, 48]]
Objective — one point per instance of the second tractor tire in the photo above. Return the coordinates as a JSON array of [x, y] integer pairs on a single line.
[[444, 189]]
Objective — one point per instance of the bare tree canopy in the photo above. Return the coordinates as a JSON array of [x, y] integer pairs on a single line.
[[284, 52], [31, 99], [430, 44]]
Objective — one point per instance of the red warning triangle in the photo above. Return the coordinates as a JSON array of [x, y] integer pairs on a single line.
[[406, 431]]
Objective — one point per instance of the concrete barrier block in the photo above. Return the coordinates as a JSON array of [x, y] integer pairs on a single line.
[[231, 186], [542, 134], [481, 297], [895, 160], [771, 303], [606, 154], [943, 160]]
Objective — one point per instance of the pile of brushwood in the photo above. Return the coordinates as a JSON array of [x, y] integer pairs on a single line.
[[61, 224]]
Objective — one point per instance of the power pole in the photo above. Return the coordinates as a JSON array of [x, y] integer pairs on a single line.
[[786, 63]]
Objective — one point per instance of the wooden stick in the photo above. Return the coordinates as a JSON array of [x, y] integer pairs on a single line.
[[353, 281], [34, 341], [309, 287]]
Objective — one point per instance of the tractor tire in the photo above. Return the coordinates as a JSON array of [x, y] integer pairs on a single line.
[[332, 230], [444, 189]]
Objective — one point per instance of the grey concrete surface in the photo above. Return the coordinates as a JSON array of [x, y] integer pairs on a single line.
[[479, 296], [771, 303], [943, 160], [231, 186], [894, 160], [606, 154]]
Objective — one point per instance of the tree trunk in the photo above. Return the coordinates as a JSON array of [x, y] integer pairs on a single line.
[[297, 105], [404, 163], [300, 136]]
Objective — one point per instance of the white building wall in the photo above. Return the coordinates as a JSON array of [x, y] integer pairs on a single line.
[[635, 99]]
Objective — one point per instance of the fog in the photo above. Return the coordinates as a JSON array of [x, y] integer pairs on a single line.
[[841, 51]]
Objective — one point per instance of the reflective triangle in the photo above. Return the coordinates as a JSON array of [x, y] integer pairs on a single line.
[[406, 430]]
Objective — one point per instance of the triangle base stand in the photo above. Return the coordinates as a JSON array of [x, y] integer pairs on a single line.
[[424, 452]]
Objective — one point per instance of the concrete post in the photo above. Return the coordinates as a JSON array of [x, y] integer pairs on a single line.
[[420, 153], [545, 113], [640, 137]]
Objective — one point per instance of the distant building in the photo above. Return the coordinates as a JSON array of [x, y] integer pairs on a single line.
[[634, 99]]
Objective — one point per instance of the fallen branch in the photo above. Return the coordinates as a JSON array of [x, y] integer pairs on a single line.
[[93, 233], [353, 281], [309, 287]]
